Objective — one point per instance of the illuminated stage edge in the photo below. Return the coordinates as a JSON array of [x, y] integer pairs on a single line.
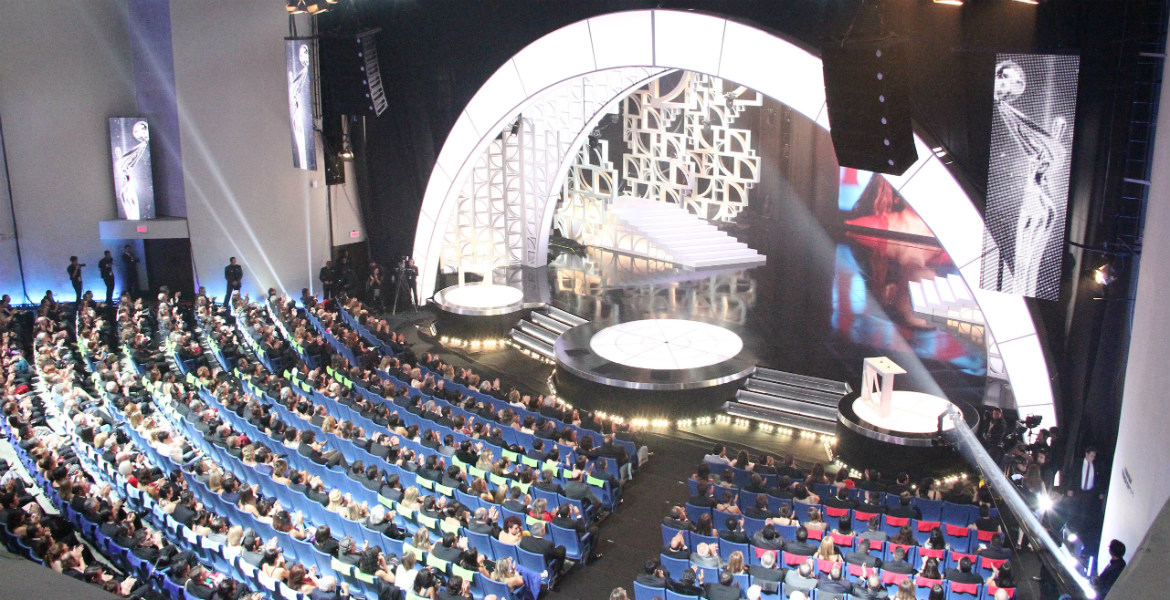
[[478, 311], [906, 441], [651, 367]]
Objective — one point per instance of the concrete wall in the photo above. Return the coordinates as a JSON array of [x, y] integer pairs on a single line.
[[244, 198], [1142, 440], [64, 72]]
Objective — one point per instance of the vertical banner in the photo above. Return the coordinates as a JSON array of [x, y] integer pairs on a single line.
[[1028, 175], [133, 181], [300, 103]]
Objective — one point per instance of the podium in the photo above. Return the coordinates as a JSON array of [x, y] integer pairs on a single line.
[[878, 378]]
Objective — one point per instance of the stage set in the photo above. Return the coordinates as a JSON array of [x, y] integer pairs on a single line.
[[673, 260]]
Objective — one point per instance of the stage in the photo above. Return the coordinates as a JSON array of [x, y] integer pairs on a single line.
[[646, 367], [478, 311]]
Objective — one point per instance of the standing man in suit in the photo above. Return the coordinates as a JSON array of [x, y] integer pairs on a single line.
[[130, 262], [74, 271], [106, 268], [234, 274], [1087, 490]]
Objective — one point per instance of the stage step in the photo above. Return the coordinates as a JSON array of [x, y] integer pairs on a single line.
[[788, 399], [679, 236], [795, 393], [567, 318], [814, 425], [805, 381], [550, 323], [794, 406], [538, 346], [538, 332]]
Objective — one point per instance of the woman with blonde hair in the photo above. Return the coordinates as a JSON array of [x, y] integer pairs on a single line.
[[506, 573], [735, 563], [828, 550], [410, 498]]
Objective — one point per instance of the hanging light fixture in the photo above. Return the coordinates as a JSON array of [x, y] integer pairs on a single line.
[[296, 7]]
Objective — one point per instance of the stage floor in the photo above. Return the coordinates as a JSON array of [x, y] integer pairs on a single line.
[[666, 344]]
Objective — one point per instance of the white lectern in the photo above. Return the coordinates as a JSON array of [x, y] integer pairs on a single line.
[[878, 376]]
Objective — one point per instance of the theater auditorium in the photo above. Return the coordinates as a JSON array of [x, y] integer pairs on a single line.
[[532, 300]]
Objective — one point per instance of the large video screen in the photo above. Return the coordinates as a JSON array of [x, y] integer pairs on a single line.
[[1028, 175], [298, 61], [133, 181], [870, 203]]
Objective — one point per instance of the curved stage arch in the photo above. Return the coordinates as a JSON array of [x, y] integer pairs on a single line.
[[733, 51]]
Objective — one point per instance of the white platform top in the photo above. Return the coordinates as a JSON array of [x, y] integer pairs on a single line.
[[884, 365], [911, 412], [482, 296], [666, 344]]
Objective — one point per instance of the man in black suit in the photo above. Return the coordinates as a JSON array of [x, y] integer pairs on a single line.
[[834, 584], [768, 538], [904, 509], [1104, 582], [995, 551], [1086, 487], [724, 589], [703, 497], [734, 531], [106, 268], [963, 574], [869, 587], [841, 500], [800, 546], [554, 556], [234, 274], [765, 574], [130, 263], [651, 575], [898, 564], [678, 519], [74, 271], [861, 556]]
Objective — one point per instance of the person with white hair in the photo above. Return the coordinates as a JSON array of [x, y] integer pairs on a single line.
[[753, 592], [801, 579], [327, 589]]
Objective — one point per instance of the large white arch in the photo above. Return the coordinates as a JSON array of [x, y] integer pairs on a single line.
[[751, 57]]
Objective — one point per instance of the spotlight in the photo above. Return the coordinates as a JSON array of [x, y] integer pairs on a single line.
[[317, 7], [1104, 275], [346, 153], [296, 7], [1032, 2], [950, 2]]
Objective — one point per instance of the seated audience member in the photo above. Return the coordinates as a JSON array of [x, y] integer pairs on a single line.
[[898, 564], [652, 575], [834, 584], [766, 574], [734, 531], [687, 584], [995, 550], [768, 538], [1001, 577], [873, 530], [869, 586], [963, 573], [535, 542], [707, 555], [904, 509], [802, 579], [724, 589], [828, 550], [801, 545], [861, 556]]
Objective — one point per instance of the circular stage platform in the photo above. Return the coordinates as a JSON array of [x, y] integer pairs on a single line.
[[655, 367], [906, 440], [478, 311]]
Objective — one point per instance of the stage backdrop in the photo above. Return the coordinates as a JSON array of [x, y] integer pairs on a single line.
[[133, 179], [1028, 175]]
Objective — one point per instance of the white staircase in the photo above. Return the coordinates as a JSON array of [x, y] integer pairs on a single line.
[[948, 302], [539, 332], [679, 236]]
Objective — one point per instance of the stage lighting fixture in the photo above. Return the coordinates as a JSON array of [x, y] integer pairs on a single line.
[[1104, 275], [297, 7], [950, 2], [317, 7], [1032, 2]]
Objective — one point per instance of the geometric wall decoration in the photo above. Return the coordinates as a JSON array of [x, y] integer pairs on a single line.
[[683, 148], [503, 202]]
